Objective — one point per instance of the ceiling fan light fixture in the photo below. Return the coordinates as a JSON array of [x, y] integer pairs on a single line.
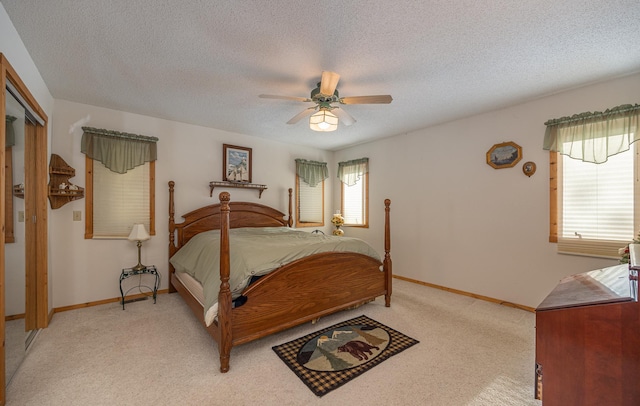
[[323, 120]]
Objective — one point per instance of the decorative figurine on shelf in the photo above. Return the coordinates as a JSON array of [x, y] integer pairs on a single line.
[[62, 187], [73, 187], [337, 220]]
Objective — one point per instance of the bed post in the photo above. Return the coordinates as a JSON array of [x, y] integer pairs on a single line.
[[290, 221], [224, 297], [172, 228], [387, 255]]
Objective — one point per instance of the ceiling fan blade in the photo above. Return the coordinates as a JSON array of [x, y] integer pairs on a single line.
[[328, 83], [378, 99], [302, 114], [294, 98], [344, 117]]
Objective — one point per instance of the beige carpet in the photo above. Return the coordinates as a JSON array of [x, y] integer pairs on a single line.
[[471, 352]]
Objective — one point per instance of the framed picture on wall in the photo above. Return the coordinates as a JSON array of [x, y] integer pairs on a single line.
[[236, 163], [504, 155]]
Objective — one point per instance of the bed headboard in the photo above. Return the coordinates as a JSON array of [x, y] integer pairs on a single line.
[[242, 214]]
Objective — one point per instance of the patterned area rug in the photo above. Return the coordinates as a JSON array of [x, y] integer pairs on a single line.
[[329, 358]]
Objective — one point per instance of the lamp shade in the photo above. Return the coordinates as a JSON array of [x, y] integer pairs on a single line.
[[323, 120], [139, 233]]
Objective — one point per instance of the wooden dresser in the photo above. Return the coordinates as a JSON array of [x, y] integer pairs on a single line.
[[588, 339]]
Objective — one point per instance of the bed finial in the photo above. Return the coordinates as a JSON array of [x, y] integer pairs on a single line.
[[290, 220], [224, 196]]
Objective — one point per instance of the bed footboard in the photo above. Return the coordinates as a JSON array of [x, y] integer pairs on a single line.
[[305, 290]]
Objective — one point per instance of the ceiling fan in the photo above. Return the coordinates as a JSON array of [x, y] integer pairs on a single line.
[[325, 114]]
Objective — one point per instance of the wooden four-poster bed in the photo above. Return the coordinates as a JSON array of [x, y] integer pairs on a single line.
[[296, 292]]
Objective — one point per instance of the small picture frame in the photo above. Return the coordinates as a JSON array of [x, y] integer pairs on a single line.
[[504, 155], [236, 164]]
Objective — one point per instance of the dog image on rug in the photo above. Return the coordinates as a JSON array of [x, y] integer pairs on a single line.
[[343, 348]]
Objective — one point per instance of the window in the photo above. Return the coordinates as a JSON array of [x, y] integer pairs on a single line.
[[354, 179], [594, 188], [309, 204], [120, 182], [596, 205], [310, 176], [119, 200]]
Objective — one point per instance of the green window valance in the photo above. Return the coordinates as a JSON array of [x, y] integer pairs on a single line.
[[312, 172], [118, 151], [350, 172], [594, 137], [10, 135]]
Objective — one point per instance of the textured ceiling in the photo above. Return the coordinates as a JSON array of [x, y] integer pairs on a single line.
[[206, 62]]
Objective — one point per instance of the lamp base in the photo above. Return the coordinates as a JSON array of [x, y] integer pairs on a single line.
[[138, 267]]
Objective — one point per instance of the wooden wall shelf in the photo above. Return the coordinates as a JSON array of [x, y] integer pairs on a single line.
[[214, 184], [18, 191], [61, 191]]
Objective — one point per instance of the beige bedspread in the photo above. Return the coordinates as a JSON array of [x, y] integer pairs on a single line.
[[253, 252]]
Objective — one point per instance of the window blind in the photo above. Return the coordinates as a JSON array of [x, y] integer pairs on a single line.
[[120, 200], [310, 207], [597, 206], [353, 203]]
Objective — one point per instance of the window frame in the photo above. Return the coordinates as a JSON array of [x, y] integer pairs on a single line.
[[89, 187]]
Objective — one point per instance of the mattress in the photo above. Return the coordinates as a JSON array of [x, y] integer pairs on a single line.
[[193, 286]]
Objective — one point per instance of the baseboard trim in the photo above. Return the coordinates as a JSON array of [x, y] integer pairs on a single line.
[[101, 302], [431, 285], [473, 295]]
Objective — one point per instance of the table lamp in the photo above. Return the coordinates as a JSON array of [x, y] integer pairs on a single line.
[[139, 234]]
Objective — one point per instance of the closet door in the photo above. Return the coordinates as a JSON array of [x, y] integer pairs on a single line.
[[34, 208], [15, 237]]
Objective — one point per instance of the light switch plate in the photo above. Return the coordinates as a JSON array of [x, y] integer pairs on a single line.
[[77, 215], [21, 217]]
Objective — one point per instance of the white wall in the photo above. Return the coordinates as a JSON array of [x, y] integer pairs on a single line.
[[88, 270], [459, 223]]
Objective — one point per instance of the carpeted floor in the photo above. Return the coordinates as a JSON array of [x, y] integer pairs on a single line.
[[471, 352]]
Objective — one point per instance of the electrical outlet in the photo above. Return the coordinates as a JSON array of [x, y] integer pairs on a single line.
[[77, 215], [20, 217]]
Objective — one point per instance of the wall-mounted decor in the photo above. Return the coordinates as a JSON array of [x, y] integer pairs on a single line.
[[61, 190], [236, 164], [504, 155], [529, 168]]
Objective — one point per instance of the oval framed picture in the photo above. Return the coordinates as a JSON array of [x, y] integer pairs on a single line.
[[529, 168]]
